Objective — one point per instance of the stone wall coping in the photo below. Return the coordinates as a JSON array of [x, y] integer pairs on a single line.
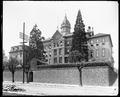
[[82, 64]]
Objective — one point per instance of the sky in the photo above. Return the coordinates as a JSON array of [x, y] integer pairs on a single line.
[[48, 15]]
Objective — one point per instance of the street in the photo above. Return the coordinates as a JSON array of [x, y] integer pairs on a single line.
[[60, 89]]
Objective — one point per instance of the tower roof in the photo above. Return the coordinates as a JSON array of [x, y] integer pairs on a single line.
[[65, 22]]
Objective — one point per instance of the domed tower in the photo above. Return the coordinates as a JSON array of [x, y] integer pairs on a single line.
[[65, 26]]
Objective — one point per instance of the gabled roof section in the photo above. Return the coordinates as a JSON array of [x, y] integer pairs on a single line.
[[57, 35]]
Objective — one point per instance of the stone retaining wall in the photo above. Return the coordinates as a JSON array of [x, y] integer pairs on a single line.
[[57, 75], [90, 75]]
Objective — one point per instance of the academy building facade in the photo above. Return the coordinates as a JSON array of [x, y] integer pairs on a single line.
[[58, 46]]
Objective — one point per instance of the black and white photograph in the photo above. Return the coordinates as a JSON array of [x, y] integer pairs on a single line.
[[60, 48]]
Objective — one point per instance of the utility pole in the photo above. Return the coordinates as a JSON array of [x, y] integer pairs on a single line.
[[24, 37], [23, 50]]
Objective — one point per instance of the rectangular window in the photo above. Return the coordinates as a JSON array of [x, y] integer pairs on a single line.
[[55, 60], [97, 40], [68, 43], [58, 44], [60, 59], [60, 51], [49, 61], [91, 44], [103, 52], [97, 44], [91, 54], [103, 41], [67, 51], [55, 52], [66, 59], [54, 44], [96, 52], [61, 43], [46, 55], [50, 54], [91, 41]]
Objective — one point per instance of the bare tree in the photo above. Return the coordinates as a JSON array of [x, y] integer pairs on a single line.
[[12, 66]]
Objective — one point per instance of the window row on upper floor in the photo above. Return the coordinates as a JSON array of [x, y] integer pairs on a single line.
[[16, 48], [98, 40], [52, 45], [58, 44], [57, 52]]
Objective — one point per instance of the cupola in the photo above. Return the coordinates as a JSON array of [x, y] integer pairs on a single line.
[[65, 26]]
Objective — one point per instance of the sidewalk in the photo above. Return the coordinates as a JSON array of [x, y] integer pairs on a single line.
[[62, 89]]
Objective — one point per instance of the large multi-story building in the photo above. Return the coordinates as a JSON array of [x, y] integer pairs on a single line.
[[100, 47], [58, 46]]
